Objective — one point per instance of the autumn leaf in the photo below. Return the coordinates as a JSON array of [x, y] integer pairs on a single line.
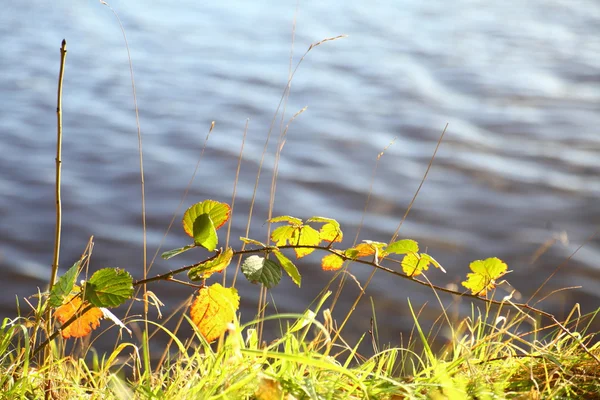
[[83, 325], [219, 214], [484, 275], [332, 262], [252, 241], [305, 236], [330, 231], [207, 268], [282, 234], [296, 234], [365, 249], [213, 308], [286, 218]]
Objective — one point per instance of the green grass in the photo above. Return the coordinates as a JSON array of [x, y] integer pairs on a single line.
[[490, 356]]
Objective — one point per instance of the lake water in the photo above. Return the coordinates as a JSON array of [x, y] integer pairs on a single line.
[[517, 82]]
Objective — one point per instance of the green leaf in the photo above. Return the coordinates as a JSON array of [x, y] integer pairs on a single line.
[[64, 286], [172, 253], [289, 267], [259, 269], [485, 273], [205, 234], [219, 214], [404, 246], [283, 234], [305, 236], [207, 268], [286, 218], [351, 253], [108, 287], [252, 241]]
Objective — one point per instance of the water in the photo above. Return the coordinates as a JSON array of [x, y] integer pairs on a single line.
[[517, 82]]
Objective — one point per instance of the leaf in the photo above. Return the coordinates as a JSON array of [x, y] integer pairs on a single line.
[[219, 214], [205, 234], [63, 287], [331, 231], [283, 234], [289, 267], [206, 269], [433, 261], [108, 287], [172, 253], [83, 325], [259, 269], [365, 249], [404, 246], [305, 236], [286, 218], [332, 262], [252, 241], [213, 308], [485, 273], [414, 264]]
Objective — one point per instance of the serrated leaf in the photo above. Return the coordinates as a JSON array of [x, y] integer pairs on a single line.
[[172, 253], [108, 287], [214, 308], [219, 214], [283, 234], [365, 249], [433, 261], [332, 262], [83, 325], [404, 246], [206, 269], [331, 231], [484, 275], [414, 264], [63, 287], [261, 270], [305, 236], [289, 267], [286, 218], [205, 234], [252, 241]]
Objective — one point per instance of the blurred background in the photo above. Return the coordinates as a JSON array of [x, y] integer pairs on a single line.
[[517, 82]]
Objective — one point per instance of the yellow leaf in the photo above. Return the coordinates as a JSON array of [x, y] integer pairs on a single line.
[[206, 269], [82, 325], [213, 308], [305, 236], [484, 275], [332, 262]]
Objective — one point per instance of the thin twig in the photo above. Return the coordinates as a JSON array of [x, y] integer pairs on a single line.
[[63, 57]]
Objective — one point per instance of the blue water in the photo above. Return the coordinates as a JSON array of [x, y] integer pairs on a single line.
[[517, 82]]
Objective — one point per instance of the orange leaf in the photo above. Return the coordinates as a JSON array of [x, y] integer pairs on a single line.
[[362, 250], [82, 325], [213, 308]]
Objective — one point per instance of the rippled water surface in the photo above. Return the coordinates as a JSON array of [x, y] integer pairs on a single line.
[[517, 82]]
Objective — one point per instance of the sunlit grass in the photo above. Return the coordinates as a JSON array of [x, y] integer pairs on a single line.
[[489, 356]]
